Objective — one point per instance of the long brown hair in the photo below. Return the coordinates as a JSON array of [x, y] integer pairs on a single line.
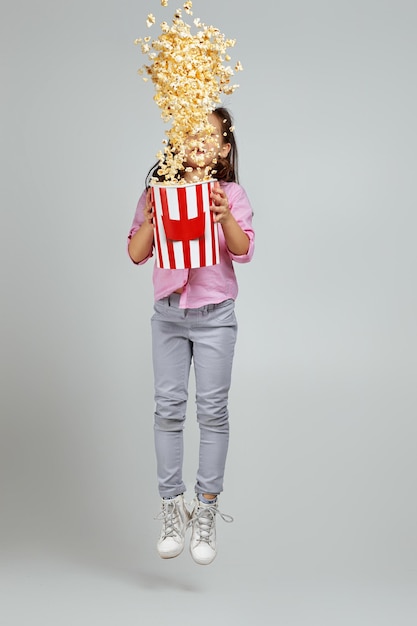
[[227, 167]]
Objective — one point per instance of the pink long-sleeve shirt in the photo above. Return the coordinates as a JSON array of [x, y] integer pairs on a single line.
[[204, 285]]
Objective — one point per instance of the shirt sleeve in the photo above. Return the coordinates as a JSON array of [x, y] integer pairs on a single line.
[[242, 212], [138, 220]]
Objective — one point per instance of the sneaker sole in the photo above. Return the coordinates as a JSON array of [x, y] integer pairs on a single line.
[[170, 556]]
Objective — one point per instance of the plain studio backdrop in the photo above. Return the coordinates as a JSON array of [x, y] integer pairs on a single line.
[[322, 463]]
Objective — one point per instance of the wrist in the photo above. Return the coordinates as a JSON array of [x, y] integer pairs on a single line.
[[148, 224], [227, 218]]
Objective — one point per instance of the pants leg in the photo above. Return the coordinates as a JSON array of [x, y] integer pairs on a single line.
[[172, 353], [214, 342]]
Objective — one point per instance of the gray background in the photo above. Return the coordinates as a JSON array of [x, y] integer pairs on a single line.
[[322, 464]]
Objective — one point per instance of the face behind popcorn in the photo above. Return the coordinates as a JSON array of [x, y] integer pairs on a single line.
[[202, 151]]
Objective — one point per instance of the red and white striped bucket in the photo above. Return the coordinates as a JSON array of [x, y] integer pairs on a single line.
[[186, 235]]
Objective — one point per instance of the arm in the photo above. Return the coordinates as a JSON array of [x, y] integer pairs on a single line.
[[141, 238], [140, 245], [238, 232], [237, 240]]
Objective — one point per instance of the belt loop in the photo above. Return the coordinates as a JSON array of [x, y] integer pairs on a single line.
[[169, 300]]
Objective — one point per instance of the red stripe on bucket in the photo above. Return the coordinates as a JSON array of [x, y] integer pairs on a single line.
[[200, 212], [157, 234], [164, 205], [213, 234], [182, 204]]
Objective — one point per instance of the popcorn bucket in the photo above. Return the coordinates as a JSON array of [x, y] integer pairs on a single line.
[[186, 235]]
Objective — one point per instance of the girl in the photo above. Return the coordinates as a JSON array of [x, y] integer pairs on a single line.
[[194, 321]]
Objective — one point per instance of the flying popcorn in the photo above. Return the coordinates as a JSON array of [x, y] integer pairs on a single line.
[[189, 74]]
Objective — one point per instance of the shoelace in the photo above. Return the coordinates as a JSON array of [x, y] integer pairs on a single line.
[[205, 517], [171, 518]]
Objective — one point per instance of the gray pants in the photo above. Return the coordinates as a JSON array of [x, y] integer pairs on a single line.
[[206, 336]]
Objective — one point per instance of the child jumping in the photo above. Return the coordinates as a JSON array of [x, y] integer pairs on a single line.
[[194, 322]]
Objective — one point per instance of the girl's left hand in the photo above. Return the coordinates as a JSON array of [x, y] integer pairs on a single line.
[[220, 206]]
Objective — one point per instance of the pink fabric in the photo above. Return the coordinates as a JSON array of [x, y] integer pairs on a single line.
[[205, 285]]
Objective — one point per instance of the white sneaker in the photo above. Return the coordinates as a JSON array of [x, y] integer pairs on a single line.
[[203, 536], [175, 517]]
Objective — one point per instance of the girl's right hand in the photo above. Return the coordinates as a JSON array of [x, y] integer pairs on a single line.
[[148, 211]]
